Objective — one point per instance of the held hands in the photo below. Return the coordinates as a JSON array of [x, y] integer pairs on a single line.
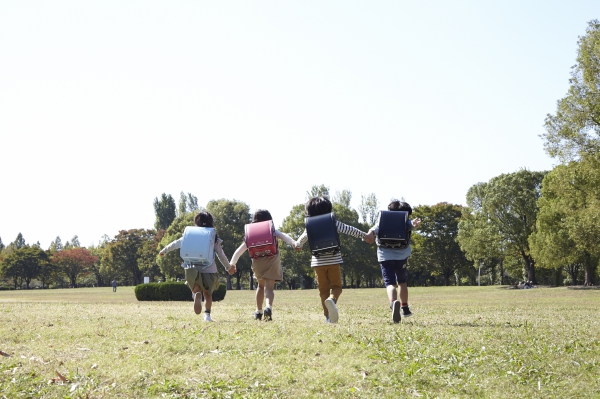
[[369, 238], [232, 270], [161, 253], [416, 222]]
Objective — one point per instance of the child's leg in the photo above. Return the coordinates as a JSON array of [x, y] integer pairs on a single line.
[[323, 285], [207, 299], [403, 293], [269, 291], [334, 274], [260, 294], [391, 292], [197, 299]]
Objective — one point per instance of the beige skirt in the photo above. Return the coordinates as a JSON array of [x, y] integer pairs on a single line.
[[268, 268]]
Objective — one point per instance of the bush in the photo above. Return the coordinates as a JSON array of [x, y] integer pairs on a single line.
[[171, 291]]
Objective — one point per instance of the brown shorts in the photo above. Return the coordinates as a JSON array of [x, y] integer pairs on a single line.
[[206, 281], [268, 268]]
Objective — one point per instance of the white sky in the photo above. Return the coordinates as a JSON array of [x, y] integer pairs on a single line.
[[105, 105]]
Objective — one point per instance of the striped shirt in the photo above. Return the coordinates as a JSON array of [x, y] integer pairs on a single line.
[[331, 259]]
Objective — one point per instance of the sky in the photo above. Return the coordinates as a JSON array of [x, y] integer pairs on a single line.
[[106, 105]]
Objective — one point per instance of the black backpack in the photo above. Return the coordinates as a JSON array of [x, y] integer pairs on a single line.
[[394, 230], [323, 237]]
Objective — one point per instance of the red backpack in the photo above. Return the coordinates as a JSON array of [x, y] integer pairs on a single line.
[[260, 239]]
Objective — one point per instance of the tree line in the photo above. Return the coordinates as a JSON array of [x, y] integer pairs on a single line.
[[541, 226]]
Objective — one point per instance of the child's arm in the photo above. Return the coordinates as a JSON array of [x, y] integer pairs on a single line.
[[352, 231], [222, 258], [238, 252], [301, 240], [171, 247], [287, 239]]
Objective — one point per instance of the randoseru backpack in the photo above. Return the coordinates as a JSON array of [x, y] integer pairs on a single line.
[[323, 237], [260, 239], [394, 230], [198, 245]]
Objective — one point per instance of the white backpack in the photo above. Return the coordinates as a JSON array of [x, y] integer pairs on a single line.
[[198, 246]]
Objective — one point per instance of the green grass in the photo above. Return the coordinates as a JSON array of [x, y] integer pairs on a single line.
[[461, 342]]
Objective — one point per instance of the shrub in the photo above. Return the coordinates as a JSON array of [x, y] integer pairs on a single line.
[[172, 291]]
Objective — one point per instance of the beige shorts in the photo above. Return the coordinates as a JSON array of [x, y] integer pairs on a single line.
[[206, 281], [268, 268]]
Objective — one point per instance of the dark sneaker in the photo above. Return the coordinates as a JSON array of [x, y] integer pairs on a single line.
[[268, 314], [257, 315], [332, 309], [396, 311], [406, 311]]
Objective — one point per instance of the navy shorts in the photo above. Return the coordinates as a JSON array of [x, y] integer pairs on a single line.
[[393, 271]]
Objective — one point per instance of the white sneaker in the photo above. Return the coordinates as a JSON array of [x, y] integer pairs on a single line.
[[332, 309], [207, 317]]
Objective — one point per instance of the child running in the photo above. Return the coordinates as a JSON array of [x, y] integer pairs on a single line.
[[328, 266], [267, 268], [393, 265], [202, 280]]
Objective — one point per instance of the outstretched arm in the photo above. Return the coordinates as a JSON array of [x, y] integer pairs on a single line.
[[223, 259], [238, 252]]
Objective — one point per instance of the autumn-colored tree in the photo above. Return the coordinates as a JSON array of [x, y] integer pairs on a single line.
[[74, 262]]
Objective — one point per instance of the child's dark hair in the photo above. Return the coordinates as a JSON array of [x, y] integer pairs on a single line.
[[204, 219], [396, 205], [261, 215], [318, 206]]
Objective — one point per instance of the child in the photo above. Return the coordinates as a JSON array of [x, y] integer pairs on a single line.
[[327, 266], [198, 278], [267, 269], [393, 265]]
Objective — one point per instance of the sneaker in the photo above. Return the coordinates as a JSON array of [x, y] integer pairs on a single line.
[[207, 317], [406, 311], [396, 311], [257, 315], [268, 314], [198, 303], [332, 309]]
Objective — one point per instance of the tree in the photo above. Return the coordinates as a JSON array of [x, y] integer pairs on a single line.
[[369, 209], [509, 204], [165, 211], [478, 237], [1, 245], [568, 232], [230, 217], [438, 248], [122, 254], [297, 271], [187, 203], [343, 197], [56, 245], [73, 262], [19, 241], [574, 129], [317, 191], [23, 264]]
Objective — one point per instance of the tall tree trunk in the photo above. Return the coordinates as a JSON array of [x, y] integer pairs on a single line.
[[251, 280], [529, 267], [229, 287]]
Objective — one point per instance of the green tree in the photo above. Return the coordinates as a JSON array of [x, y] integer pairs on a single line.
[[56, 245], [187, 203], [369, 209], [122, 254], [437, 246], [297, 271], [19, 241], [24, 264], [574, 129], [230, 217], [1, 245], [568, 232], [165, 211], [317, 191], [509, 204], [478, 237]]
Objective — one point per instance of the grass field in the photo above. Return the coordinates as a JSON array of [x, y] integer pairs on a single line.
[[486, 342]]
